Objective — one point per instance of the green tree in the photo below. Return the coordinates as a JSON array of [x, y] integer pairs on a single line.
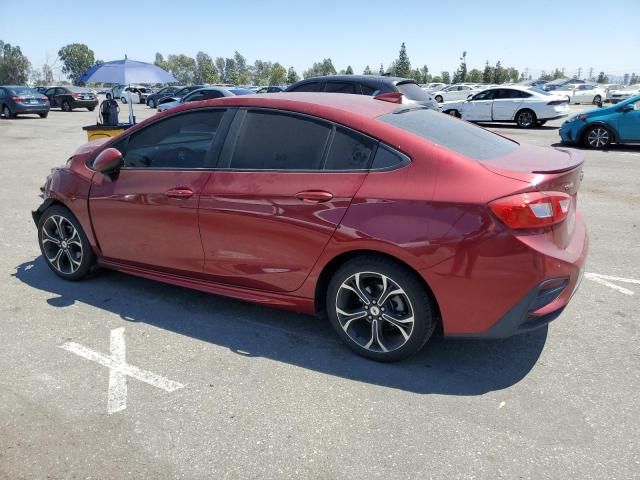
[[499, 75], [160, 62], [367, 71], [381, 71], [487, 74], [278, 75], [349, 70], [436, 79], [403, 65], [416, 75], [292, 76], [206, 71], [76, 58], [220, 66], [182, 67], [230, 71], [14, 66], [426, 76], [602, 78], [243, 73], [512, 74], [261, 72], [445, 77], [461, 74], [474, 76], [325, 67]]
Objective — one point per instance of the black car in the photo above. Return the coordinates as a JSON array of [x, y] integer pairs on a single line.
[[152, 100], [68, 98], [15, 99], [179, 94], [365, 85], [271, 89]]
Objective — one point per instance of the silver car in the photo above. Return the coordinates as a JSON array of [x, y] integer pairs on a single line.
[[206, 93]]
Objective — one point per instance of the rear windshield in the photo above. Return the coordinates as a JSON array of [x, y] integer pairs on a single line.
[[449, 132], [240, 91], [79, 90], [24, 91], [413, 92]]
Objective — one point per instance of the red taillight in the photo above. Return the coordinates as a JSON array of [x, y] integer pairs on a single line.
[[18, 99], [532, 210], [393, 97]]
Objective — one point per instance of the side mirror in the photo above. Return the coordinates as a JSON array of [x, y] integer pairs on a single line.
[[470, 96], [108, 161]]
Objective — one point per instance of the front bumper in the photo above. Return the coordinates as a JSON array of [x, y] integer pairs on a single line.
[[569, 132]]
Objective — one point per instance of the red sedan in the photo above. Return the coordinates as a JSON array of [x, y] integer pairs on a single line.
[[391, 219]]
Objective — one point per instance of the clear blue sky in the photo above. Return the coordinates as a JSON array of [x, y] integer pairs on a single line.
[[538, 35]]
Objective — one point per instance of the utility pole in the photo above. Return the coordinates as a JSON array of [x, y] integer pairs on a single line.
[[579, 72], [591, 74]]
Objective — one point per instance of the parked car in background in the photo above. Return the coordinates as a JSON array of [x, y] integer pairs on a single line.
[[365, 85], [68, 98], [601, 127], [116, 91], [610, 87], [15, 100], [42, 89], [271, 89], [152, 100], [433, 87], [179, 94], [584, 93], [206, 93], [524, 106], [617, 96], [561, 82], [453, 92], [394, 221], [139, 94]]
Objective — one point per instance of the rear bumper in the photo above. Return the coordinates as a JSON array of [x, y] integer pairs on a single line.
[[84, 103], [22, 108]]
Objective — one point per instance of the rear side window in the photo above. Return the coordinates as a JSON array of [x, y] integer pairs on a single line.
[[451, 133], [277, 141], [387, 158], [340, 87], [366, 89], [307, 87], [349, 151], [181, 141]]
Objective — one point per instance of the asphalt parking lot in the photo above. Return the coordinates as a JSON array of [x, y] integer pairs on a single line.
[[214, 388]]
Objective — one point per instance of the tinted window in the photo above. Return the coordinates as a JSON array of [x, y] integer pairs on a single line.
[[451, 133], [486, 95], [50, 91], [240, 91], [505, 93], [181, 141], [339, 87], [367, 90], [349, 151], [413, 92], [1, 92], [387, 158], [307, 87], [23, 91], [276, 141]]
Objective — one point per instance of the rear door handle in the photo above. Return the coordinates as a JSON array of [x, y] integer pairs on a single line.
[[179, 193], [314, 196]]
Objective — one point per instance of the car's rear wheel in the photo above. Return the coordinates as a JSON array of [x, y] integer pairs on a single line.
[[597, 137], [453, 113], [526, 118], [597, 100], [380, 309], [91, 109], [44, 115], [438, 98], [64, 244], [6, 112], [66, 106], [151, 103], [123, 100]]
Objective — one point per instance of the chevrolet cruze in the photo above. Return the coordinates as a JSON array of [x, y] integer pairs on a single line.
[[390, 219]]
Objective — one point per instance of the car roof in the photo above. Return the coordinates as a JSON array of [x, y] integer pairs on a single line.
[[359, 79]]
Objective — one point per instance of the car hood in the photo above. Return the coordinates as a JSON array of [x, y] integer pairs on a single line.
[[168, 105]]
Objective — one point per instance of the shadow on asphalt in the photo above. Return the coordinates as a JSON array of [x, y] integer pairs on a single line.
[[447, 367], [634, 148], [513, 126]]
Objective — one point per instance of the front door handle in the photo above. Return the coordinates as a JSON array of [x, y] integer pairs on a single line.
[[314, 196], [179, 193]]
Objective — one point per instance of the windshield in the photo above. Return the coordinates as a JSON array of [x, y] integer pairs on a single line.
[[451, 133], [24, 91], [145, 90], [413, 92]]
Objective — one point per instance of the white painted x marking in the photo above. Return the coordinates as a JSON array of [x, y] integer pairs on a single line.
[[119, 370]]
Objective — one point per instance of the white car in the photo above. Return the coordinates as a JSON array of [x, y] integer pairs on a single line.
[[527, 107], [584, 93], [433, 87], [453, 92], [138, 93], [617, 96]]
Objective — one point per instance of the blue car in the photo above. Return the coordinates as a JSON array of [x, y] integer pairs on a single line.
[[600, 127]]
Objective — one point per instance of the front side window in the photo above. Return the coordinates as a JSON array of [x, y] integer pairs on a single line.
[[178, 142], [486, 95], [278, 141]]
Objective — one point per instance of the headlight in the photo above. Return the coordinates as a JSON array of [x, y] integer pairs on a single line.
[[581, 117]]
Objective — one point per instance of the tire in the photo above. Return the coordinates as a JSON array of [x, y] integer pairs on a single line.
[[151, 103], [409, 320], [64, 245], [66, 106], [453, 113], [44, 115], [91, 109], [6, 112], [438, 98], [526, 118], [597, 100], [123, 100], [597, 137]]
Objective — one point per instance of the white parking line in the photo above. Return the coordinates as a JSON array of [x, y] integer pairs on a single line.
[[607, 281], [119, 370]]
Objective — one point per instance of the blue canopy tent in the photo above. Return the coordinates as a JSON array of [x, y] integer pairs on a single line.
[[126, 72]]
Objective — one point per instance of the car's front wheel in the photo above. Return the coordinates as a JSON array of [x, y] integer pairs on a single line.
[[380, 309], [151, 103], [63, 244], [597, 100], [91, 109], [438, 98], [526, 118], [123, 100], [597, 137]]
